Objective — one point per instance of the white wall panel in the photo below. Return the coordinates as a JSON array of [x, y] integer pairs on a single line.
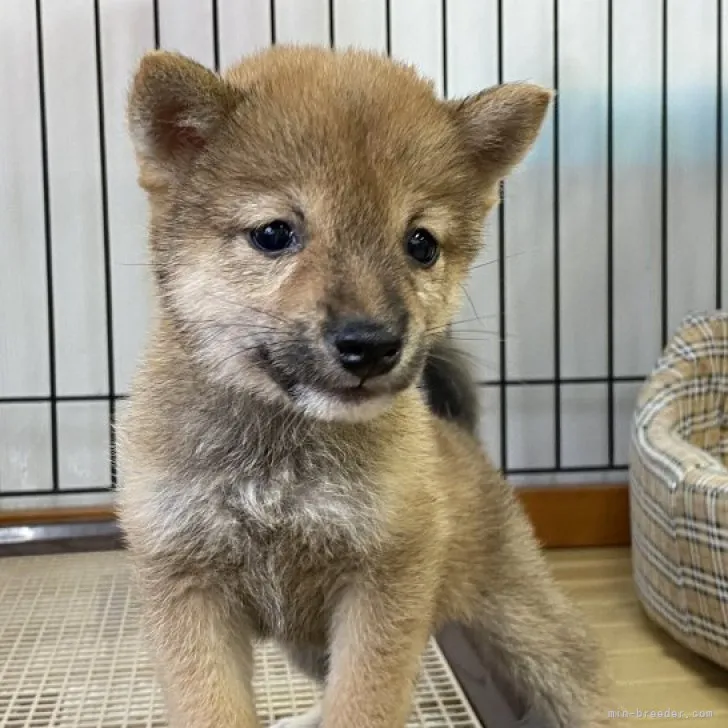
[[75, 199], [530, 427], [583, 187], [244, 27], [584, 425], [127, 32], [83, 445], [360, 24], [302, 22], [582, 241], [637, 80], [187, 27], [471, 67], [691, 201], [23, 299], [528, 54], [417, 37], [25, 448]]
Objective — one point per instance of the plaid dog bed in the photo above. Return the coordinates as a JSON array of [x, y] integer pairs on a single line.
[[679, 488]]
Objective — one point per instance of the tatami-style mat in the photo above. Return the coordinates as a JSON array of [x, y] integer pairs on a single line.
[[71, 655]]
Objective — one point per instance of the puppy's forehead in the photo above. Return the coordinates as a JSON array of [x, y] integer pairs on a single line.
[[287, 71], [348, 112]]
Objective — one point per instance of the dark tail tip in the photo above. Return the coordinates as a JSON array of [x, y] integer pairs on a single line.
[[449, 386]]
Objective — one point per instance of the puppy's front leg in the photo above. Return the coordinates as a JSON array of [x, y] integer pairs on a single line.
[[379, 636], [204, 657]]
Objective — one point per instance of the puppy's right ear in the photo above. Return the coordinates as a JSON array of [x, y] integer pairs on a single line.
[[175, 106], [499, 125]]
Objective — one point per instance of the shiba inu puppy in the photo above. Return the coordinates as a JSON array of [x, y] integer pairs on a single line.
[[299, 459]]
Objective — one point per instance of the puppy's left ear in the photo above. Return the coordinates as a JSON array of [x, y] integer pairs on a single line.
[[499, 125]]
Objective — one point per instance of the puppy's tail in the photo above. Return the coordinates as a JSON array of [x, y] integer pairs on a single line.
[[449, 386]]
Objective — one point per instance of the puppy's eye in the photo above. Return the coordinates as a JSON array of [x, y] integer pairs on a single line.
[[423, 247], [274, 238]]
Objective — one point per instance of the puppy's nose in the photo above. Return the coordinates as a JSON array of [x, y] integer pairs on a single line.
[[365, 348]]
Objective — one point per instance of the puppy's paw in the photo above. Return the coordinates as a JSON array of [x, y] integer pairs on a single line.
[[311, 719]]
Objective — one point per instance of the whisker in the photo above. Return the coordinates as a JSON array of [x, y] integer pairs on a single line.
[[445, 326], [473, 331], [246, 350], [480, 316], [485, 363], [243, 325], [248, 307], [517, 254], [479, 339]]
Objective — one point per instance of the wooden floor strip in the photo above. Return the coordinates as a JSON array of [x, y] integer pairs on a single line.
[[651, 671], [595, 516]]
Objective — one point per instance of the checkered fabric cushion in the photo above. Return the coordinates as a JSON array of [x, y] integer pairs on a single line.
[[679, 488]]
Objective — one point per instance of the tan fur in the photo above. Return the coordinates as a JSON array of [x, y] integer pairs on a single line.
[[346, 532]]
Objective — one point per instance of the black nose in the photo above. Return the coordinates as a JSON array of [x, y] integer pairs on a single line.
[[365, 348]]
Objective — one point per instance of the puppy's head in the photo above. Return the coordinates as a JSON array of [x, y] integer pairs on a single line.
[[313, 215]]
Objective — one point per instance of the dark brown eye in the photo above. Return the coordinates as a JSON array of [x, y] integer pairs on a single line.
[[274, 238], [423, 247]]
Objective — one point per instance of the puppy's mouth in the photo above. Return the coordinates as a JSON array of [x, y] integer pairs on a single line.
[[363, 391], [359, 393], [299, 374]]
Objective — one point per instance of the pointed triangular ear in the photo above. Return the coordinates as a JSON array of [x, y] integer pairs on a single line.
[[175, 105], [499, 125]]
